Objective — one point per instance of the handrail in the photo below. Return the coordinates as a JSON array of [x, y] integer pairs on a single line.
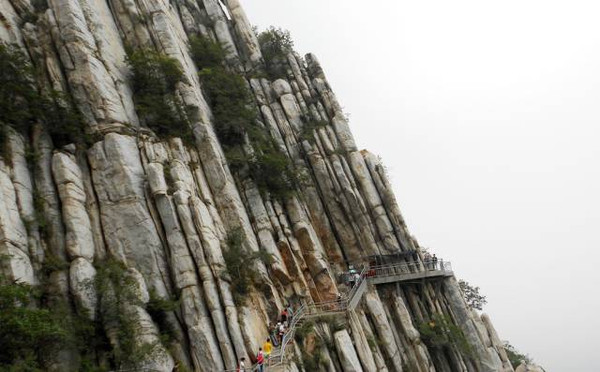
[[409, 268], [313, 309], [342, 305]]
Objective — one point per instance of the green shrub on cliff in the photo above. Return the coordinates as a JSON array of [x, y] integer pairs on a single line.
[[206, 53], [231, 105], [240, 266], [440, 331], [27, 333], [471, 294], [118, 293], [275, 44], [515, 356], [154, 79], [273, 172], [235, 122], [22, 104], [18, 95]]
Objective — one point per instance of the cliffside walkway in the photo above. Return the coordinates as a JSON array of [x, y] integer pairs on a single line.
[[381, 274]]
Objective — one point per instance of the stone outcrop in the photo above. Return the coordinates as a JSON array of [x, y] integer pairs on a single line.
[[165, 210]]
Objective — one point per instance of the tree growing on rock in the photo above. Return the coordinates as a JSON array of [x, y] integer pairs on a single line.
[[275, 44], [27, 333], [471, 294], [515, 356], [23, 103], [154, 78], [235, 121]]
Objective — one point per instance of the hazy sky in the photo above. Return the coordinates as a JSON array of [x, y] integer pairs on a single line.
[[487, 115]]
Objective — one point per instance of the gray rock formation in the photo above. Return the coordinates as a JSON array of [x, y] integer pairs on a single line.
[[163, 210]]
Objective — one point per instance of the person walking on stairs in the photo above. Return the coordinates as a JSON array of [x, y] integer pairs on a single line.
[[280, 331], [267, 347], [350, 276], [260, 360]]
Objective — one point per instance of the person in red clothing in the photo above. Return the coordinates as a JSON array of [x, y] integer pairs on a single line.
[[260, 360]]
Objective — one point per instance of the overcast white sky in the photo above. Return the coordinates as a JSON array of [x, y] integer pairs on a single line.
[[487, 115]]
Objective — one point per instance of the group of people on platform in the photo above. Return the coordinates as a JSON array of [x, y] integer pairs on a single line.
[[431, 262]]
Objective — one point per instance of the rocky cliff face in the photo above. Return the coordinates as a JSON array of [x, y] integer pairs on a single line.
[[155, 216]]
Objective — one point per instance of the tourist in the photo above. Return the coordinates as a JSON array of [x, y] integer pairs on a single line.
[[434, 259], [290, 312], [267, 347], [280, 330], [242, 365], [260, 360], [273, 334], [356, 278], [350, 276], [427, 260]]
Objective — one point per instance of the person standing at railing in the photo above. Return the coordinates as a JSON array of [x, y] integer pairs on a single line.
[[434, 259], [414, 255], [427, 261]]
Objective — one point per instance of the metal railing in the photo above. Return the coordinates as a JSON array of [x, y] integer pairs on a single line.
[[315, 310], [326, 308], [406, 268]]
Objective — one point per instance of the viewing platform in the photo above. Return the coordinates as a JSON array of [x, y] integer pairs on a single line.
[[405, 272]]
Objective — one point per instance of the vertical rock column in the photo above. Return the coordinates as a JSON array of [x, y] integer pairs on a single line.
[[245, 33], [463, 317], [90, 81], [24, 190], [13, 236], [79, 237], [130, 233], [206, 352], [384, 329], [346, 352], [497, 344]]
